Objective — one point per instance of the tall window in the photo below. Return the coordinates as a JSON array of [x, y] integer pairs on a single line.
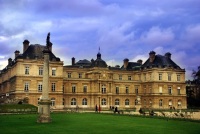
[[80, 75], [103, 89], [53, 71], [84, 89], [160, 102], [73, 89], [150, 102], [126, 102], [178, 77], [27, 70], [40, 70], [127, 90], [117, 102], [117, 90], [179, 90], [69, 75], [129, 77], [160, 77], [53, 87], [170, 90], [53, 100], [170, 103], [73, 101], [120, 77], [136, 90], [26, 86], [84, 101], [40, 87], [169, 77], [179, 103], [103, 101]]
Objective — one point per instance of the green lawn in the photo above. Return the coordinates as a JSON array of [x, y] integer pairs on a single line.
[[90, 123]]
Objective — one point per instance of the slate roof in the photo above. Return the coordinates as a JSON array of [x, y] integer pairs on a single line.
[[99, 62], [132, 66], [35, 51], [160, 61]]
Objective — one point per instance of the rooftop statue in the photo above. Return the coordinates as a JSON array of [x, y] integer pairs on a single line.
[[48, 39]]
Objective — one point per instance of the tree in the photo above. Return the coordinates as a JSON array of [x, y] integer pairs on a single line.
[[193, 89]]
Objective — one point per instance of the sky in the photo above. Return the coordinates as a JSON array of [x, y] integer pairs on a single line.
[[120, 28]]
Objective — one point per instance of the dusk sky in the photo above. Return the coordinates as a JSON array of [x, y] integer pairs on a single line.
[[121, 28]]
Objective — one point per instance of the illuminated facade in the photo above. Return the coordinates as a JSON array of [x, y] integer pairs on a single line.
[[157, 83]]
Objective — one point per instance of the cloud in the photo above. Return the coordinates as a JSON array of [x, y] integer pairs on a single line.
[[157, 36]]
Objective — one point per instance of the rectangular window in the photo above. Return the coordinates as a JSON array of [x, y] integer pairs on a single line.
[[127, 90], [69, 75], [53, 71], [120, 77], [179, 90], [169, 77], [85, 89], [160, 77], [26, 86], [40, 70], [170, 90], [103, 89], [144, 90], [53, 87], [27, 70], [178, 77], [129, 78], [80, 75], [73, 89], [40, 87], [136, 90], [117, 90]]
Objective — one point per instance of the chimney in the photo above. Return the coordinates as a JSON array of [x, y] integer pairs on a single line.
[[152, 56], [26, 45], [126, 63], [9, 61], [17, 53], [139, 61], [73, 61], [168, 55]]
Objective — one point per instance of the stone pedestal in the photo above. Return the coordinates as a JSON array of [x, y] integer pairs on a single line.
[[44, 111]]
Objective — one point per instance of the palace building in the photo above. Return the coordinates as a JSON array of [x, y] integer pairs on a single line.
[[158, 83]]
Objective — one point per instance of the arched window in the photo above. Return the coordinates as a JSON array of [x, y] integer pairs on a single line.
[[53, 100], [73, 101], [179, 103], [160, 102], [103, 101], [170, 103], [126, 102], [150, 102], [117, 102], [84, 101]]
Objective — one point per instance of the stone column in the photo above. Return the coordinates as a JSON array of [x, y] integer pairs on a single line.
[[44, 103]]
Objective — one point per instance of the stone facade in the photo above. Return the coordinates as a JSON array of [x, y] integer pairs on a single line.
[[158, 83]]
